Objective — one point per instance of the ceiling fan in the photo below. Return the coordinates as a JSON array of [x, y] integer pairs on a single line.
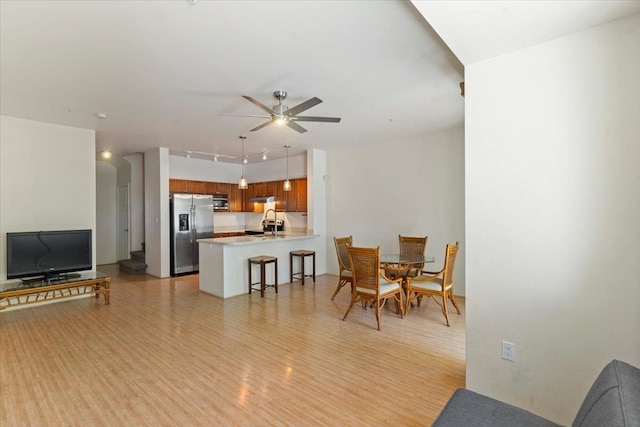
[[283, 115]]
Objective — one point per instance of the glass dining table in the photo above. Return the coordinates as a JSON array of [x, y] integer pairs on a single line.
[[396, 264]]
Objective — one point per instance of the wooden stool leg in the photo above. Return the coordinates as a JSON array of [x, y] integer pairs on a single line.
[[290, 267], [262, 279], [276, 278], [302, 258], [314, 268], [249, 276]]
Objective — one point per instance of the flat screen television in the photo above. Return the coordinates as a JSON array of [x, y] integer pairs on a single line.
[[48, 254]]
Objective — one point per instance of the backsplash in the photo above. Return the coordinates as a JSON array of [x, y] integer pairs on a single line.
[[226, 221]]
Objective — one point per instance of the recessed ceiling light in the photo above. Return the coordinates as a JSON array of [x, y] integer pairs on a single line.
[[106, 154], [101, 115]]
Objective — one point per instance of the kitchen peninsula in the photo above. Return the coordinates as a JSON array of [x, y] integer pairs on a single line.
[[223, 261]]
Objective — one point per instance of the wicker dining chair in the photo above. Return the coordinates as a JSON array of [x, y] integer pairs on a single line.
[[370, 285], [435, 284], [408, 246], [344, 263]]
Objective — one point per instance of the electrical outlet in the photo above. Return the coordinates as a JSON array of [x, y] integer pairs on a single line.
[[508, 351]]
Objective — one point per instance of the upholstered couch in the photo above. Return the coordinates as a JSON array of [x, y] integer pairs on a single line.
[[613, 400]]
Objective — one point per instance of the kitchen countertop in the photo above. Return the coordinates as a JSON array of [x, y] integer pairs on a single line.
[[249, 240]]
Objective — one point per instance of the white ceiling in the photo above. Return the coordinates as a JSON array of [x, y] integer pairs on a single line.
[[477, 30], [162, 71]]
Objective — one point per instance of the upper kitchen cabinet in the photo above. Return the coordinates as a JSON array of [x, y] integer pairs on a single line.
[[177, 186], [281, 197], [251, 192], [301, 195], [265, 189], [187, 186], [297, 197], [235, 198], [196, 187], [217, 188]]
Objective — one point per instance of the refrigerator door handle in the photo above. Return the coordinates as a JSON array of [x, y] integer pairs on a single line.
[[195, 223]]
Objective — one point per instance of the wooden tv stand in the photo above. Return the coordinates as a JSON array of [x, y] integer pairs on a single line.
[[13, 294]]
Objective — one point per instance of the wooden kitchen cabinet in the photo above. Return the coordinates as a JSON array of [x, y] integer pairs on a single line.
[[297, 197], [259, 189], [217, 188], [235, 198], [270, 188], [281, 197], [196, 187], [246, 195], [301, 195], [177, 186], [286, 201], [187, 186]]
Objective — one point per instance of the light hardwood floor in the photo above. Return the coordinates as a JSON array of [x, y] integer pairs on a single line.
[[163, 353]]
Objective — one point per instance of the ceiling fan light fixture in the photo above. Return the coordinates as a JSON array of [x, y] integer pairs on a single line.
[[282, 115]]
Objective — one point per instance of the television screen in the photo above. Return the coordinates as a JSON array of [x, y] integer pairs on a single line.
[[48, 253]]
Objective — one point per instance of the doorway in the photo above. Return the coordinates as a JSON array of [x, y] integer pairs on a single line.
[[122, 222]]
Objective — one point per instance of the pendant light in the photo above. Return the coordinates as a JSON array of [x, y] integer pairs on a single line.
[[287, 183], [242, 185]]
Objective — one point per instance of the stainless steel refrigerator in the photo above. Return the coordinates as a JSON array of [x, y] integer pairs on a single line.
[[191, 219]]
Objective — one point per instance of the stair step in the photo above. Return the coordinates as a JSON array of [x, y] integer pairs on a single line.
[[132, 266], [138, 255]]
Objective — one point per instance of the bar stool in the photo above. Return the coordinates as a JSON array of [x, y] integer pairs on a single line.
[[302, 254], [263, 260]]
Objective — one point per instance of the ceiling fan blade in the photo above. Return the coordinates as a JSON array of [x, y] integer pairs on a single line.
[[242, 115], [295, 126], [265, 124], [259, 104], [316, 119], [302, 107]]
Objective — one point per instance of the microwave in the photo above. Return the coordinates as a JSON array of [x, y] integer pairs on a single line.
[[220, 203]]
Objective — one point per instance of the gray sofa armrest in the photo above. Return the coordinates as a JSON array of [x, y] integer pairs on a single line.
[[614, 398], [469, 409]]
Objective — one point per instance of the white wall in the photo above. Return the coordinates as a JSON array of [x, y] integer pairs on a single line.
[[274, 170], [257, 171], [156, 208], [136, 200], [203, 170], [47, 179], [317, 206], [552, 208], [413, 187], [106, 230]]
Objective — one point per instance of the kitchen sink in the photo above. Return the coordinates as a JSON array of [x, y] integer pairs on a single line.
[[272, 237]]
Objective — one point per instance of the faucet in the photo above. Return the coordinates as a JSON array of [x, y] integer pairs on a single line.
[[275, 221]]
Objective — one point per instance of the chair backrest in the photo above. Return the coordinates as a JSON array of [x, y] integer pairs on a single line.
[[341, 250], [412, 246], [365, 266], [449, 263]]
